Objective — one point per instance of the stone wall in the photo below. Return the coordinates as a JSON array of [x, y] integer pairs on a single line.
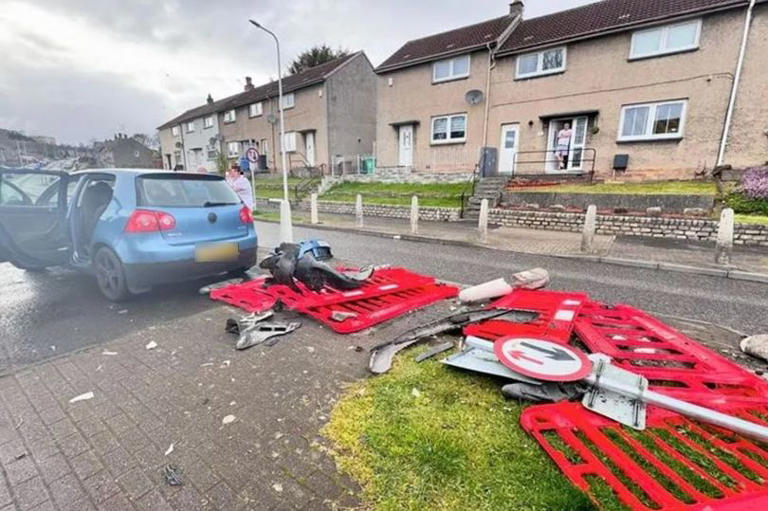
[[651, 227], [406, 175], [668, 203], [425, 213]]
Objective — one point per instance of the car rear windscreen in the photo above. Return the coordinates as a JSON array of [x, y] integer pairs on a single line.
[[184, 191]]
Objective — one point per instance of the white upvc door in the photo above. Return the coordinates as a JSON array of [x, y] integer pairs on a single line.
[[405, 137], [508, 147], [309, 147], [578, 141], [575, 161]]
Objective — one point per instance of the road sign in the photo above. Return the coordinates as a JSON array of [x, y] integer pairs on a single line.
[[542, 359], [252, 154]]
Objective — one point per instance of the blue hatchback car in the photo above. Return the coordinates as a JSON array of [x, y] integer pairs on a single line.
[[130, 228]]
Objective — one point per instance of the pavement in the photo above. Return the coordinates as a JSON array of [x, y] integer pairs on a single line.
[[108, 452], [654, 253]]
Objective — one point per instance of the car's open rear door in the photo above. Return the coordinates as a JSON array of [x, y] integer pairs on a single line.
[[33, 231]]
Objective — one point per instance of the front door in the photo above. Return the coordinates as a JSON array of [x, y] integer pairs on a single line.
[[33, 207], [405, 136], [567, 157], [309, 146], [508, 148]]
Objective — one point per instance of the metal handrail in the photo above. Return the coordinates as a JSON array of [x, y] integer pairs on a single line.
[[550, 157]]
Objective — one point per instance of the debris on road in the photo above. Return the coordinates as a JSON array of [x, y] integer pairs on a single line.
[[535, 278], [342, 315], [756, 345], [218, 285], [109, 353], [82, 397], [169, 450], [229, 419], [264, 332], [151, 345], [435, 350], [172, 475], [239, 326], [387, 294], [319, 249]]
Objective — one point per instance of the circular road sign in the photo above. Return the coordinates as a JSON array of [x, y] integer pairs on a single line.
[[542, 359], [252, 154]]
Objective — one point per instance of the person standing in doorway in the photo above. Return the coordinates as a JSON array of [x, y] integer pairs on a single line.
[[563, 145]]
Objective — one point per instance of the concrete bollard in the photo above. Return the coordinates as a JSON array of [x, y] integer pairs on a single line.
[[286, 224], [590, 226], [414, 214], [724, 247], [313, 218], [482, 222], [359, 211]]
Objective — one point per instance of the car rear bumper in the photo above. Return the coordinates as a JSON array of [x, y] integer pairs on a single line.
[[143, 275]]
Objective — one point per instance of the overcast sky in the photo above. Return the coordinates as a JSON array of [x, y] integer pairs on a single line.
[[85, 69]]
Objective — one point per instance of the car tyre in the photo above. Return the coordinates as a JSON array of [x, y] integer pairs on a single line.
[[110, 275]]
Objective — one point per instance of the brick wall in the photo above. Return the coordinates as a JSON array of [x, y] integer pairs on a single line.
[[425, 213], [671, 228]]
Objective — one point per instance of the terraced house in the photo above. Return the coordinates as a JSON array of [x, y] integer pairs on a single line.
[[651, 90], [330, 117]]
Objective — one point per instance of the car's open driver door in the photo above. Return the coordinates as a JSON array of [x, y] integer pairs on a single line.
[[33, 205]]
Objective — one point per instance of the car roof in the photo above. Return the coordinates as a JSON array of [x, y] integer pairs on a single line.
[[136, 172]]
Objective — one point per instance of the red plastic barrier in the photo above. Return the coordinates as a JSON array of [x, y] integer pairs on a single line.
[[675, 464], [390, 292]]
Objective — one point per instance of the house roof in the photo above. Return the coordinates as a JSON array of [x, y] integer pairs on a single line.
[[453, 41], [291, 83], [605, 16]]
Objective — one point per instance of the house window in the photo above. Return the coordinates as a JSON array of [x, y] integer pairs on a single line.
[[290, 142], [230, 116], [208, 122], [255, 109], [541, 63], [289, 100], [177, 157], [665, 40], [652, 121], [212, 154], [175, 131], [233, 149], [449, 128], [190, 127], [450, 69]]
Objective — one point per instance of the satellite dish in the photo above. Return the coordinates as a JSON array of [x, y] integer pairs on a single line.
[[178, 145], [474, 97], [271, 119], [212, 141]]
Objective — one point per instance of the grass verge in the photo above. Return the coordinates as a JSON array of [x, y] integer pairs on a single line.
[[399, 194], [424, 436], [655, 188], [751, 219]]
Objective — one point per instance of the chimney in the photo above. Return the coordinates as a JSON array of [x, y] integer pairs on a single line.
[[248, 83], [516, 9], [209, 99]]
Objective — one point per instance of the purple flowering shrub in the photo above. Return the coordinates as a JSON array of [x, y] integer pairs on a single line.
[[755, 183]]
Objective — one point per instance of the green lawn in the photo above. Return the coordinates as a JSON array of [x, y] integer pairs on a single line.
[[425, 436], [655, 188], [399, 194], [751, 219], [272, 187]]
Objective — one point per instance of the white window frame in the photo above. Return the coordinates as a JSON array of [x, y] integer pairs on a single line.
[[451, 75], [290, 142], [255, 109], [289, 101], [540, 63], [208, 122], [648, 134], [233, 144], [447, 139], [230, 116], [189, 127], [175, 131], [663, 50]]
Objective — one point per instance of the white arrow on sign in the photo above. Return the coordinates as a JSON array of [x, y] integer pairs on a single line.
[[542, 359]]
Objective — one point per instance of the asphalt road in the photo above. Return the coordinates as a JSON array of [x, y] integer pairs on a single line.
[[47, 314]]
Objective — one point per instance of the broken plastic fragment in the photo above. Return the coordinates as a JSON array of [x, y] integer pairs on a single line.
[[169, 450], [109, 353], [82, 397], [151, 345], [228, 419], [342, 315]]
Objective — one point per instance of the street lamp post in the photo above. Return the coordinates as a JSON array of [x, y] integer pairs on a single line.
[[280, 107]]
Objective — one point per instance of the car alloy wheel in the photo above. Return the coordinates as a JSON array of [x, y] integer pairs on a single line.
[[110, 275]]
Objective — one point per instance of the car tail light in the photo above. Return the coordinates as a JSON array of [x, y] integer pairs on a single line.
[[246, 216], [143, 220]]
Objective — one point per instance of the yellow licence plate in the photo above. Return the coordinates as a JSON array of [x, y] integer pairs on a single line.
[[217, 253]]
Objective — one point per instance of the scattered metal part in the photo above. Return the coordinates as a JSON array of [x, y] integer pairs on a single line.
[[615, 405], [482, 361], [218, 285], [550, 392], [435, 350], [342, 315], [245, 323], [263, 332], [172, 475], [319, 249], [382, 355]]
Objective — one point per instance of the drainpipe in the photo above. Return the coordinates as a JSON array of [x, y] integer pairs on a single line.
[[491, 65], [183, 148], [735, 86]]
